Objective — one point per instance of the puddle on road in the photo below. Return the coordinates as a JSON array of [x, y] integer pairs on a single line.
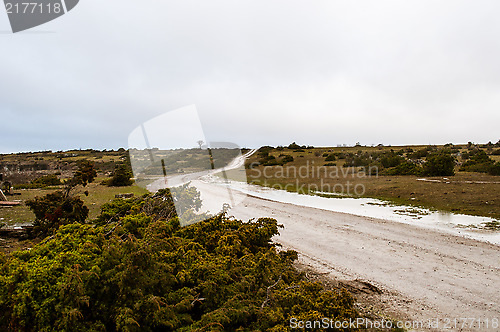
[[458, 224]]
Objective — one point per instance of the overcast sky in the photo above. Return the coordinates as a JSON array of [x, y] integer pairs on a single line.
[[259, 72]]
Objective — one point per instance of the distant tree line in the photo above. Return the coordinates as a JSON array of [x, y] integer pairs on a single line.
[[428, 161]]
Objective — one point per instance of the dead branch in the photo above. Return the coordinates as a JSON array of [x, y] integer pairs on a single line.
[[268, 295]]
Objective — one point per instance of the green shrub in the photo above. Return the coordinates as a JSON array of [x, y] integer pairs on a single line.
[[295, 146], [263, 153], [286, 159], [478, 162], [331, 157], [60, 208], [265, 149], [439, 163], [405, 168], [121, 177], [494, 169], [391, 159], [137, 273], [357, 161], [56, 209], [41, 182], [116, 209]]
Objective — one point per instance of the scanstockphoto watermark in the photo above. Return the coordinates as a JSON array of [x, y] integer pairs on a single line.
[[172, 152], [313, 178], [365, 323], [327, 323], [25, 14]]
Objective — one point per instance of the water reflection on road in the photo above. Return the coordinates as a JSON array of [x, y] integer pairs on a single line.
[[374, 208]]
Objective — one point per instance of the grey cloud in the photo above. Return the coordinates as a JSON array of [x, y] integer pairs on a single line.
[[259, 72]]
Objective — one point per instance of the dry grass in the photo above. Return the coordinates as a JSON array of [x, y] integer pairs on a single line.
[[98, 195], [466, 193]]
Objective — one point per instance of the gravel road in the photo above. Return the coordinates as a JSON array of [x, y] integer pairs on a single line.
[[422, 274]]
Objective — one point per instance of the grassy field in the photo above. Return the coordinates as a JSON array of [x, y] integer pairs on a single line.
[[98, 195], [20, 168], [466, 192]]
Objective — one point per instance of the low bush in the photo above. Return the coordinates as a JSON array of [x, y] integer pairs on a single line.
[[286, 159], [121, 177], [136, 271], [265, 148], [331, 157], [405, 168], [56, 209], [494, 169], [341, 155], [295, 146], [479, 162], [60, 207], [440, 163], [391, 159], [41, 182]]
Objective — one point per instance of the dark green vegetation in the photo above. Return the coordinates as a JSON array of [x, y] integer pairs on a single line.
[[460, 178], [60, 208], [429, 161], [479, 161], [44, 181], [421, 161], [56, 209], [134, 269], [156, 162], [40, 173], [266, 159], [121, 177], [20, 168], [440, 163], [98, 194]]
